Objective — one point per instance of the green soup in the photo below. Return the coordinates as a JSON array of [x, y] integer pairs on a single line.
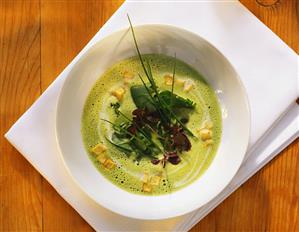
[[129, 174]]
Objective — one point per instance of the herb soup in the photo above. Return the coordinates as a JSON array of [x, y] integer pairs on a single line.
[[154, 137]]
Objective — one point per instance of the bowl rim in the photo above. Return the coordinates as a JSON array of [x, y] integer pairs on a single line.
[[246, 133]]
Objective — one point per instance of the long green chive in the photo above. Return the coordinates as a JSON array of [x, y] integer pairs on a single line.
[[172, 84]]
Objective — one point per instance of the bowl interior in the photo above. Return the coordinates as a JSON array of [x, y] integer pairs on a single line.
[[208, 61]]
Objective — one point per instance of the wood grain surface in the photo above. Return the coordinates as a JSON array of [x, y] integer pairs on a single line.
[[38, 38]]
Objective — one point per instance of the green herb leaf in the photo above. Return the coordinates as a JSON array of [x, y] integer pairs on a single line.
[[141, 98], [176, 101], [124, 148]]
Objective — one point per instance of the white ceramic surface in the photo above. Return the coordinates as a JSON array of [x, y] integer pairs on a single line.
[[218, 72]]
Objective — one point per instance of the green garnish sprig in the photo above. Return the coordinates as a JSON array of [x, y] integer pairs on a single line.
[[156, 128], [164, 110]]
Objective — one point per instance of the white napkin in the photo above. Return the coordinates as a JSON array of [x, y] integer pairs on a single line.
[[267, 68]]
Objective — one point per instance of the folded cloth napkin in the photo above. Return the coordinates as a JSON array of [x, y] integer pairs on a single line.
[[266, 65]]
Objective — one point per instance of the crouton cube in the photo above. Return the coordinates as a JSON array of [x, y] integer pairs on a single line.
[[168, 79], [118, 93], [147, 187], [205, 134], [207, 124], [128, 74], [109, 164], [209, 142], [101, 158], [155, 180], [128, 77], [98, 149], [145, 178], [188, 85], [127, 81], [179, 81]]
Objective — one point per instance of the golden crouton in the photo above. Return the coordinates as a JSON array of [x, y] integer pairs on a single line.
[[98, 149], [168, 79], [208, 124], [109, 164], [188, 85], [209, 142], [205, 134], [128, 77], [118, 93], [179, 81], [101, 158], [145, 178], [147, 187], [155, 180]]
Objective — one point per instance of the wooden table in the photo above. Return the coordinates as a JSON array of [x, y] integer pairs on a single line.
[[38, 38]]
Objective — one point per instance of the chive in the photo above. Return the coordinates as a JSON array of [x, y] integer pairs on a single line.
[[172, 84], [148, 72], [135, 41]]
